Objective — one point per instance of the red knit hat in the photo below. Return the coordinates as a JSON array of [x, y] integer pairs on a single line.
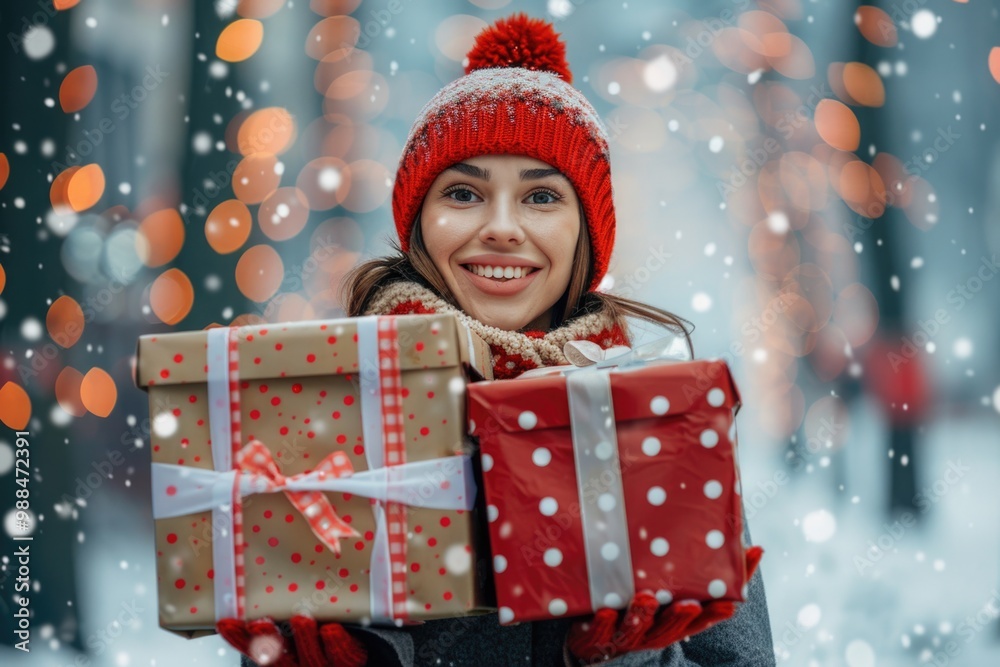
[[514, 99]]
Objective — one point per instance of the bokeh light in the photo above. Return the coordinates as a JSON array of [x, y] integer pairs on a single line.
[[259, 273], [283, 214], [228, 226], [161, 237], [67, 390], [64, 321], [78, 88], [98, 392], [239, 40], [15, 406], [171, 296]]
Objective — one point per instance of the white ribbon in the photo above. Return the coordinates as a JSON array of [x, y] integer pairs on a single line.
[[219, 426], [417, 484], [380, 584], [595, 451], [585, 354]]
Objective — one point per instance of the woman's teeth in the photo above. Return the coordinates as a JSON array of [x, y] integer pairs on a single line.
[[504, 272]]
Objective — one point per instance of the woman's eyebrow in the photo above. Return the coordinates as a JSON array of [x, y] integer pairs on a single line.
[[484, 174]]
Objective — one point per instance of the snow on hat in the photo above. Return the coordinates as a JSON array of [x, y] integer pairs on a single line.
[[515, 99]]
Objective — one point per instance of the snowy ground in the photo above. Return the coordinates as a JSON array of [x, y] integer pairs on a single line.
[[933, 595]]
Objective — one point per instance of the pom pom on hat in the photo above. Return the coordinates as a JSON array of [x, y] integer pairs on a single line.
[[520, 41]]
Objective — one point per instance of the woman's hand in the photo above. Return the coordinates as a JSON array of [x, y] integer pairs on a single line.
[[312, 645], [604, 636]]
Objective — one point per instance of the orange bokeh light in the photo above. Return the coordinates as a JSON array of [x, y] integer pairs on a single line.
[[837, 125], [64, 321], [228, 226], [330, 34], [258, 9], [283, 214], [68, 385], [325, 182], [239, 40], [15, 406], [85, 187], [57, 191], [171, 296], [268, 130], [160, 238], [876, 26], [98, 392], [77, 88], [255, 177], [4, 170], [259, 273], [994, 64]]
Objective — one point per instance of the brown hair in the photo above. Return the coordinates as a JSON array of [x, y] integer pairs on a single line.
[[364, 281]]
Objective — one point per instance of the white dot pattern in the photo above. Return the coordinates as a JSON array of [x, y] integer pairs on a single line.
[[651, 446], [552, 557], [557, 607], [717, 588], [541, 457], [610, 551], [709, 438], [713, 489], [656, 496], [716, 397], [499, 563], [487, 462], [659, 547], [527, 420], [659, 405], [548, 506], [715, 539]]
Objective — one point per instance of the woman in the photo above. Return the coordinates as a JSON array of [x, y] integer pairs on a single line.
[[504, 211]]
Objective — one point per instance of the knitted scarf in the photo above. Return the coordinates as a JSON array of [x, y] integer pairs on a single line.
[[514, 352]]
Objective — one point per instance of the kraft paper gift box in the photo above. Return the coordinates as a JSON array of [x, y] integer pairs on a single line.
[[604, 482], [296, 407]]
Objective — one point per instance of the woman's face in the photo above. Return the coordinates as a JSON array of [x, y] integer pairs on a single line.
[[502, 230]]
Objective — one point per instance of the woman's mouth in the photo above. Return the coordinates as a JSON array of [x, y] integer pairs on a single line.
[[499, 280], [501, 273]]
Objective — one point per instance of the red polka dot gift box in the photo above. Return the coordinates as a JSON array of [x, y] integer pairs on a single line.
[[601, 483], [313, 467]]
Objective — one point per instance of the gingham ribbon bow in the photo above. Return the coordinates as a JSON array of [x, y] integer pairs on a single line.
[[256, 459]]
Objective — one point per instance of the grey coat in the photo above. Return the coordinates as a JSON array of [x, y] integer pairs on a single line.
[[480, 641]]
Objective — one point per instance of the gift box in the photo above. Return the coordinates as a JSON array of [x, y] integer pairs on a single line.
[[314, 467], [602, 482]]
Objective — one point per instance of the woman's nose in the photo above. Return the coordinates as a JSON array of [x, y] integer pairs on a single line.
[[502, 225]]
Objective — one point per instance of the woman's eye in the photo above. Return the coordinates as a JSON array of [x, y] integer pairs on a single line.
[[462, 195], [551, 198]]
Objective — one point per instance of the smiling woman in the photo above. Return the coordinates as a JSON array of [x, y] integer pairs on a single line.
[[505, 217]]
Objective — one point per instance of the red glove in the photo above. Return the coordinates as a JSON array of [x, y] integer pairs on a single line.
[[314, 645], [604, 636]]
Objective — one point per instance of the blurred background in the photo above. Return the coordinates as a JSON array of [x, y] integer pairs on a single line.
[[813, 184]]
